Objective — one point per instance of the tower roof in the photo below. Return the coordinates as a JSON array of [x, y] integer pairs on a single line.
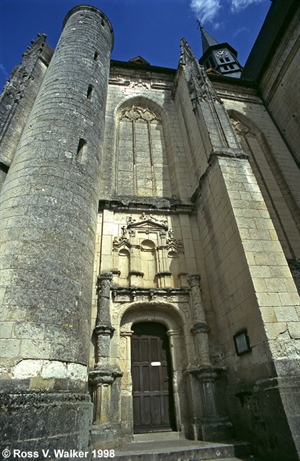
[[207, 40], [219, 56]]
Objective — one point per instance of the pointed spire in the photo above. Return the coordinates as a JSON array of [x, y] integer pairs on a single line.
[[207, 40], [200, 87], [219, 57]]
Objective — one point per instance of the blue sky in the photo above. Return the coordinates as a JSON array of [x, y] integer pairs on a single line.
[[149, 28]]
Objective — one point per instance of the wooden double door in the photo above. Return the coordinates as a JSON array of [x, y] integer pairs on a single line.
[[153, 406]]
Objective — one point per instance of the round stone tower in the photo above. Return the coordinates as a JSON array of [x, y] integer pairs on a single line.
[[48, 209]]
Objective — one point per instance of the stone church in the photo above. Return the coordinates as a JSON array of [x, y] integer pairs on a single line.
[[150, 242]]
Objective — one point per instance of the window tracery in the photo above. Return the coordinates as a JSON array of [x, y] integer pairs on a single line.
[[142, 166]]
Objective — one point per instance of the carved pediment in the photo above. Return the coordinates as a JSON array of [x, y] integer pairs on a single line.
[[147, 225]]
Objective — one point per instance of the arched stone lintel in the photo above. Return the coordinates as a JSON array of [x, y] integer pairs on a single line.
[[162, 312], [141, 100]]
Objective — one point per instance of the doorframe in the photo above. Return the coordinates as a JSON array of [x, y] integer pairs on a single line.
[[170, 393], [172, 318]]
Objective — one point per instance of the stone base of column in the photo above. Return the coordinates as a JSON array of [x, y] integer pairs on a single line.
[[217, 430], [107, 436], [266, 413], [36, 421]]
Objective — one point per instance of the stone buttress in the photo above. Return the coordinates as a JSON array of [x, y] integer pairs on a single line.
[[252, 291]]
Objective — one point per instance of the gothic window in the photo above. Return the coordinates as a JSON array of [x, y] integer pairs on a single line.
[[142, 167]]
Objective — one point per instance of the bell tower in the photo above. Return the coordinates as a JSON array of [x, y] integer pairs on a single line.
[[219, 56]]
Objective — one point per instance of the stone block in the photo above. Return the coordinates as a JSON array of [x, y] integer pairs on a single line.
[[6, 329], [289, 299], [27, 369], [9, 348], [286, 314], [268, 299], [294, 329]]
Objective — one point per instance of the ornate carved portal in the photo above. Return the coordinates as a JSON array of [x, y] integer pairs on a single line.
[[149, 285]]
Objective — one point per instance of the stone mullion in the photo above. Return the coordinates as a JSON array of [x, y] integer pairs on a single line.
[[134, 155], [117, 162], [154, 188]]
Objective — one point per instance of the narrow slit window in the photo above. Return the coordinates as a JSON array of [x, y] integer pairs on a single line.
[[96, 56], [81, 149], [89, 92], [4, 167]]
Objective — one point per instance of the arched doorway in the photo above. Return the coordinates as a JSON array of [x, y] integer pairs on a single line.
[[153, 404]]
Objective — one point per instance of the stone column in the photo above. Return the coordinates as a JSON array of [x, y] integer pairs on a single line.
[[164, 276], [209, 425], [175, 349], [200, 328], [48, 210], [126, 390], [135, 273], [103, 375]]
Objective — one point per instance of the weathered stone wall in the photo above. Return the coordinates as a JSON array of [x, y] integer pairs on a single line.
[[243, 266], [280, 85], [48, 218], [148, 91], [189, 233], [248, 277], [272, 164]]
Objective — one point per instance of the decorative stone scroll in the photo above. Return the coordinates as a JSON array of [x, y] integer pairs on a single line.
[[136, 113]]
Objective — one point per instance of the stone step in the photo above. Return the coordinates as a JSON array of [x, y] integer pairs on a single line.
[[156, 436], [185, 450]]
